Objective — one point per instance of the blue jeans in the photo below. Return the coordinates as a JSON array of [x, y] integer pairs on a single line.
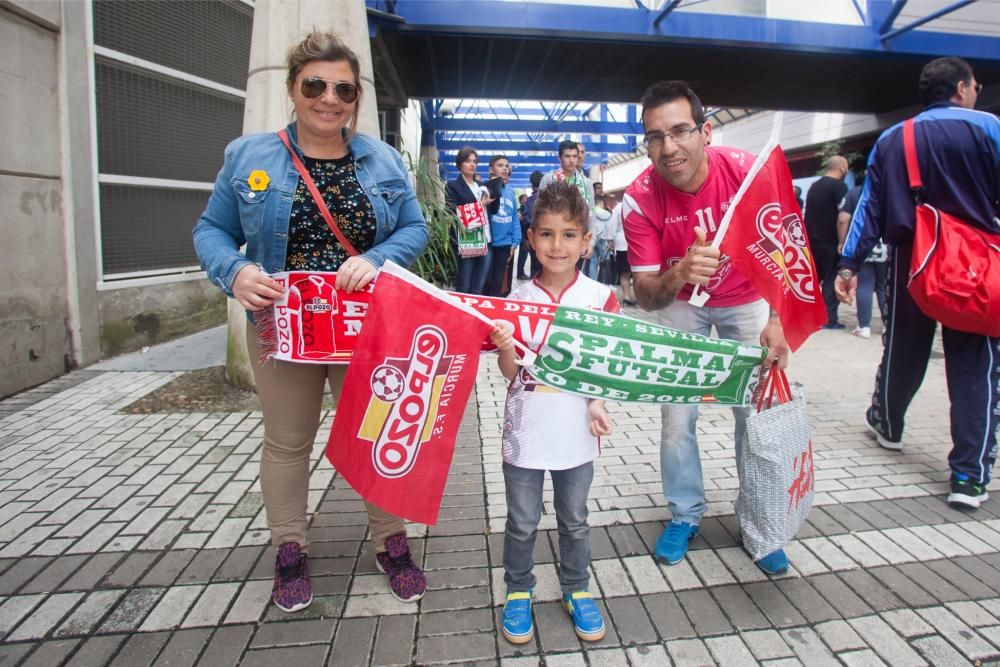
[[680, 463], [472, 273], [871, 280], [591, 265], [524, 511]]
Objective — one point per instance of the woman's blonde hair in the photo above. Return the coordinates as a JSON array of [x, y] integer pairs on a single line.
[[324, 47]]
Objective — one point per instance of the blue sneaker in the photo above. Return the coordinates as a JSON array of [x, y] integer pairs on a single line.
[[673, 543], [518, 627], [586, 615], [775, 562]]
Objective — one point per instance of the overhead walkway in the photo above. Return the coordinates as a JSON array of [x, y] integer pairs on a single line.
[[588, 63], [565, 52]]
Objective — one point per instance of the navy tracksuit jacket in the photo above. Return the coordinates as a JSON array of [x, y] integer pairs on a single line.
[[959, 155]]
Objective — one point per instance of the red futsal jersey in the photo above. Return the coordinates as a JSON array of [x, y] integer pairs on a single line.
[[660, 221], [312, 303]]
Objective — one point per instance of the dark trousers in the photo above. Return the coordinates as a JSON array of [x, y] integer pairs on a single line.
[[522, 259], [500, 257], [827, 260], [972, 367], [472, 273]]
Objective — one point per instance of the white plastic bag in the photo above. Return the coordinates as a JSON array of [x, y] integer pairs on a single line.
[[777, 485]]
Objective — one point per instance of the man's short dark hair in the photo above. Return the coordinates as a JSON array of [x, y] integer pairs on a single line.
[[563, 199], [497, 158], [568, 145], [662, 92], [939, 77], [463, 155], [536, 178]]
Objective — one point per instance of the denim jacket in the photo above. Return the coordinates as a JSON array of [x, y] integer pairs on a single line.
[[238, 214]]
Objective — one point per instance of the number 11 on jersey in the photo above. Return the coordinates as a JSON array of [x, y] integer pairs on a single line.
[[706, 219]]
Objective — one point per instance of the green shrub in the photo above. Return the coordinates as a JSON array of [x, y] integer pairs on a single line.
[[436, 264]]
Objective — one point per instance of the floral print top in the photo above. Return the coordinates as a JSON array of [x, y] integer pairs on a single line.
[[312, 245]]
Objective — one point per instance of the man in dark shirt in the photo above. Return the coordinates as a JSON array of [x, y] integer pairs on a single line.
[[958, 152], [822, 204]]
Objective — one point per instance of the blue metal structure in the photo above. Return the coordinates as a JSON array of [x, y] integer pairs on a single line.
[[528, 133], [887, 34], [503, 51], [550, 51]]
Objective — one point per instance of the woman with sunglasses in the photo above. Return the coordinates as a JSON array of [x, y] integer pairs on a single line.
[[261, 200]]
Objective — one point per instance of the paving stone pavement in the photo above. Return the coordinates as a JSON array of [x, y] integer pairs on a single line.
[[140, 539]]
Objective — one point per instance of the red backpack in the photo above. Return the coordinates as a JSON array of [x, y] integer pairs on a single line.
[[955, 267]]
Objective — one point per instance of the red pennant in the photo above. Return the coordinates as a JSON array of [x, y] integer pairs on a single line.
[[411, 375], [767, 243]]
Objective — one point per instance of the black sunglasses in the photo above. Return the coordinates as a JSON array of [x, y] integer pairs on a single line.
[[313, 87]]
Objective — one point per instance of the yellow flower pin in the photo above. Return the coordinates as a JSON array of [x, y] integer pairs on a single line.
[[258, 180]]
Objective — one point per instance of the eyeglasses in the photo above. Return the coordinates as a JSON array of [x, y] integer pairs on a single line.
[[313, 87], [979, 88], [678, 135]]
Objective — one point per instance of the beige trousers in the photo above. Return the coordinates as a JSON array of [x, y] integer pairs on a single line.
[[291, 398]]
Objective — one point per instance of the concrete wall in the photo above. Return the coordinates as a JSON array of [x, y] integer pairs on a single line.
[[35, 342], [410, 131], [52, 316], [145, 314]]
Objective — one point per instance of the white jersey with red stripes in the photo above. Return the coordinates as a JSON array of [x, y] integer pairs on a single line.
[[660, 220], [544, 428]]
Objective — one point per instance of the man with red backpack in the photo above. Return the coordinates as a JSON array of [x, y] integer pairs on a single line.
[[958, 155]]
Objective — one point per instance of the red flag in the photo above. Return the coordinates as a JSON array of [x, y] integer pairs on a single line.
[[413, 370], [767, 243]]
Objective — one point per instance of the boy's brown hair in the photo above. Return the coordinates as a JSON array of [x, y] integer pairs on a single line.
[[561, 198]]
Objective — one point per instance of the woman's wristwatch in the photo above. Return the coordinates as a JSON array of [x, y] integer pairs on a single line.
[[846, 274]]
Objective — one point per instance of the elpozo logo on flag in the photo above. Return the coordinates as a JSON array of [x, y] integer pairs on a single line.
[[403, 408], [763, 235], [783, 250], [411, 374]]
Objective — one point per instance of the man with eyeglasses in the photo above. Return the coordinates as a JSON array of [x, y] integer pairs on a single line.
[[671, 212], [958, 153]]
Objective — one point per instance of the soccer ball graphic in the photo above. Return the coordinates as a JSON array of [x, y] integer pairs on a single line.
[[387, 383]]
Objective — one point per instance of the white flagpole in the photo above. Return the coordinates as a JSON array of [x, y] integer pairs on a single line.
[[699, 296], [395, 269]]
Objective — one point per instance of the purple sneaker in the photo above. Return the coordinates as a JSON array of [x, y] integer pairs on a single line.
[[406, 580], [292, 590]]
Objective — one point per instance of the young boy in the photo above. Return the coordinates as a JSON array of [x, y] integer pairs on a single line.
[[545, 429]]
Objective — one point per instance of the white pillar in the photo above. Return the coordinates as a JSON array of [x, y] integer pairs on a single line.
[[277, 25]]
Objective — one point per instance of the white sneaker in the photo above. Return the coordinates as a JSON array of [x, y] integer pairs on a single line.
[[862, 332]]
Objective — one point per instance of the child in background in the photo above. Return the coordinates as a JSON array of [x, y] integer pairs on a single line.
[[545, 429]]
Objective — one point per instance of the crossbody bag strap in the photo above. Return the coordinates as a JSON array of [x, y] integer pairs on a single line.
[[910, 148], [324, 210]]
